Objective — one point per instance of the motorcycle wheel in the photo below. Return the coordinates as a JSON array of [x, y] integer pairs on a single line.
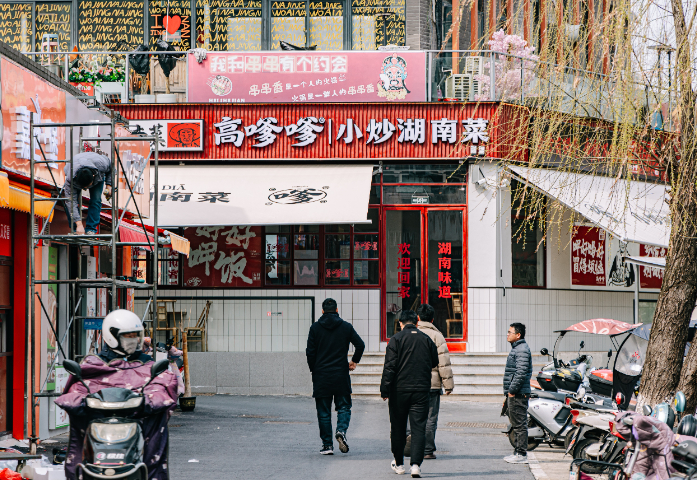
[[581, 454], [532, 442], [569, 437]]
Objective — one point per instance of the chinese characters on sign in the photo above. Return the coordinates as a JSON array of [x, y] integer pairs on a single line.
[[651, 277], [588, 257], [445, 249], [223, 256], [45, 138], [307, 130], [173, 135], [404, 273]]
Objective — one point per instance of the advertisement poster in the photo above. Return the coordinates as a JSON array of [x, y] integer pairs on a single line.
[[588, 256], [223, 257], [59, 416], [52, 308], [341, 76], [652, 277], [173, 135], [26, 96]]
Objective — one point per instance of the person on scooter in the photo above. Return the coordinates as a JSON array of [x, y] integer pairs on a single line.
[[516, 387], [122, 364]]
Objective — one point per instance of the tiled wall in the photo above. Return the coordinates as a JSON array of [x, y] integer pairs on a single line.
[[542, 311], [243, 325]]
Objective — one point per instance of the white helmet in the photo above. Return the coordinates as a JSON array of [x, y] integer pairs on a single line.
[[116, 324]]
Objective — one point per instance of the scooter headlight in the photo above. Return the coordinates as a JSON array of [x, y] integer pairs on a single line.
[[113, 432], [97, 404]]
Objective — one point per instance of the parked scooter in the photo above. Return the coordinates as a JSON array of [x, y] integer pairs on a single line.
[[114, 442]]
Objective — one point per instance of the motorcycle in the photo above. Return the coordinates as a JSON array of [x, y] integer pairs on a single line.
[[113, 446]]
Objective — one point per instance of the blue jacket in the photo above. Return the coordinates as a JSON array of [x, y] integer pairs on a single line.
[[516, 379]]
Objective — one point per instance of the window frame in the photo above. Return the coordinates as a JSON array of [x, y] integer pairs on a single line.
[[515, 216]]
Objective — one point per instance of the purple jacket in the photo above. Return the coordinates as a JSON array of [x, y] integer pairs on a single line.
[[160, 400]]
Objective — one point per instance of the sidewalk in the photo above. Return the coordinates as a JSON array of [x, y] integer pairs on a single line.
[[549, 463]]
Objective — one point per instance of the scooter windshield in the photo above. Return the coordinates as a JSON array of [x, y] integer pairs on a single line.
[[631, 357]]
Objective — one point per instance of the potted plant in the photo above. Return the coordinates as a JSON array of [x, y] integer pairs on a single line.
[[84, 79], [141, 65], [112, 77]]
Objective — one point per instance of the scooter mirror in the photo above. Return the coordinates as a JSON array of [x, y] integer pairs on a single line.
[[544, 351], [679, 402], [158, 367], [646, 410], [583, 344], [609, 353], [73, 368]]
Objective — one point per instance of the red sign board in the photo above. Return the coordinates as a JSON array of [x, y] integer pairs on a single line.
[[588, 257], [5, 233], [308, 77], [651, 277], [223, 257], [85, 87]]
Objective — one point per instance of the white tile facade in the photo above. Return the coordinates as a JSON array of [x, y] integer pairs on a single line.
[[239, 325]]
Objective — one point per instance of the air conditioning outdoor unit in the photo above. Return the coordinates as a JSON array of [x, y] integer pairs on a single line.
[[460, 86], [474, 65]]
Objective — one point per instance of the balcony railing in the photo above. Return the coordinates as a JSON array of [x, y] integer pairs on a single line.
[[459, 76]]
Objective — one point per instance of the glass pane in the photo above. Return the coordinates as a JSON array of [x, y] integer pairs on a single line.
[[364, 32], [180, 38], [306, 246], [231, 28], [169, 267], [338, 228], [373, 216], [403, 267], [366, 272], [424, 174], [17, 25], [307, 229], [445, 289], [277, 247], [327, 25], [244, 34], [365, 246], [337, 246], [646, 311], [336, 272], [374, 194], [287, 23], [52, 19], [528, 254], [278, 229], [5, 282], [306, 272], [378, 22], [277, 273], [424, 194]]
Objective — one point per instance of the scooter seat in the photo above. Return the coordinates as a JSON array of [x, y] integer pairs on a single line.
[[596, 407], [560, 397]]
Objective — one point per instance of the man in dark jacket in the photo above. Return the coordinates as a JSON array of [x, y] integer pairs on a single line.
[[327, 357], [406, 381], [91, 170], [516, 387]]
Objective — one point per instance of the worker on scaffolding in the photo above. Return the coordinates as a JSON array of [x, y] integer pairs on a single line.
[[91, 170]]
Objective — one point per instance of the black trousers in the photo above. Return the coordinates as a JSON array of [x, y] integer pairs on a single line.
[[412, 406], [518, 415]]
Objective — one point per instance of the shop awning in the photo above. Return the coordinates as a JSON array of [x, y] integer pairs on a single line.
[[133, 232], [20, 200], [4, 190], [192, 196], [633, 211], [128, 233], [653, 262]]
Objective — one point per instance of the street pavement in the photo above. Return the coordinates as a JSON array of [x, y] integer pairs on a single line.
[[274, 437]]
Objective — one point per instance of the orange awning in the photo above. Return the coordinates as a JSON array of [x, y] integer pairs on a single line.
[[4, 190], [19, 199]]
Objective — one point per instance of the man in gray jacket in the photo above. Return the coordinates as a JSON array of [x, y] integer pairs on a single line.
[[516, 387], [91, 170]]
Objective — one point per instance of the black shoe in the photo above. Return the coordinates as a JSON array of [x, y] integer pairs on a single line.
[[327, 450], [430, 456], [407, 447], [341, 438]]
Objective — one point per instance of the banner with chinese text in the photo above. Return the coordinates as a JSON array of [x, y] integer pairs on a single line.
[[588, 256], [652, 277], [342, 76], [223, 257]]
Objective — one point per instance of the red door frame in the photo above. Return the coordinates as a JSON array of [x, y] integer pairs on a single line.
[[454, 345]]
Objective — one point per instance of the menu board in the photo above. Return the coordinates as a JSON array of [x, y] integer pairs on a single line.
[[103, 25], [53, 19], [224, 25], [16, 25], [378, 22], [171, 21]]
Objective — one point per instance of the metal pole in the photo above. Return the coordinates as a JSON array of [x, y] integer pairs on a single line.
[[32, 302], [128, 83], [492, 77], [155, 250], [636, 297], [114, 210]]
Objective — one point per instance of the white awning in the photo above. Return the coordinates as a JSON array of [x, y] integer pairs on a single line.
[[191, 196], [653, 262], [633, 211]]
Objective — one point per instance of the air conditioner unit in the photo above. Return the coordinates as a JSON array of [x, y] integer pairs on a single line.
[[460, 86], [474, 65]]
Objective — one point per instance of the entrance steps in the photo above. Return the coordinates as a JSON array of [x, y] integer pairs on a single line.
[[478, 376]]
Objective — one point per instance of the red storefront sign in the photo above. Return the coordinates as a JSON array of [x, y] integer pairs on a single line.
[[445, 249], [223, 257], [651, 277], [588, 257], [5, 233], [384, 131], [302, 77], [404, 272]]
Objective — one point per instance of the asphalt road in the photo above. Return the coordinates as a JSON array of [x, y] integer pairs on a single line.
[[235, 437]]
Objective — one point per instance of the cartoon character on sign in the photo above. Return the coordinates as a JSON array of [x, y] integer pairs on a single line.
[[220, 85], [183, 135], [392, 84]]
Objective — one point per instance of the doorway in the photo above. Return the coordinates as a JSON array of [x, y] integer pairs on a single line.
[[425, 263]]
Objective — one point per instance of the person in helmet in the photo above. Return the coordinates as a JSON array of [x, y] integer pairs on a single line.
[[122, 332]]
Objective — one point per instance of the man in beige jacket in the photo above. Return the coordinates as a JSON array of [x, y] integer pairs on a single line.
[[441, 376]]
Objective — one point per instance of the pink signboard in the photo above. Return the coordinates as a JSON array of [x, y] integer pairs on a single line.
[[302, 77]]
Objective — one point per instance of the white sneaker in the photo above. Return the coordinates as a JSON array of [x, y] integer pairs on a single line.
[[517, 459], [398, 469], [509, 458], [415, 471]]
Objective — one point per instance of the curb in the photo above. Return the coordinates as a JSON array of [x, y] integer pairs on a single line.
[[535, 467]]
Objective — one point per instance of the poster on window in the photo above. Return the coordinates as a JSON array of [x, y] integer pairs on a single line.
[[652, 277], [588, 256], [223, 257]]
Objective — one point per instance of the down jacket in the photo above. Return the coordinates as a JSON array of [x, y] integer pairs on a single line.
[[516, 379], [442, 375]]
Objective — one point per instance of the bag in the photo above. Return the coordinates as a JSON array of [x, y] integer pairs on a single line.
[[504, 409], [7, 474]]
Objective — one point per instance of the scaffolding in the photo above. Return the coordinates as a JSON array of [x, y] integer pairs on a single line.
[[77, 286]]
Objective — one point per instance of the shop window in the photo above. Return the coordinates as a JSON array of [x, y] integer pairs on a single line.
[[169, 267], [528, 252], [420, 173], [377, 23], [277, 255], [306, 256], [229, 28]]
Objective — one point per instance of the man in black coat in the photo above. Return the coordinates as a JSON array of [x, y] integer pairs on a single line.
[[406, 381], [327, 357]]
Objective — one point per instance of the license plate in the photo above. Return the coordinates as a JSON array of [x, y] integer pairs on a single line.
[[572, 475]]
